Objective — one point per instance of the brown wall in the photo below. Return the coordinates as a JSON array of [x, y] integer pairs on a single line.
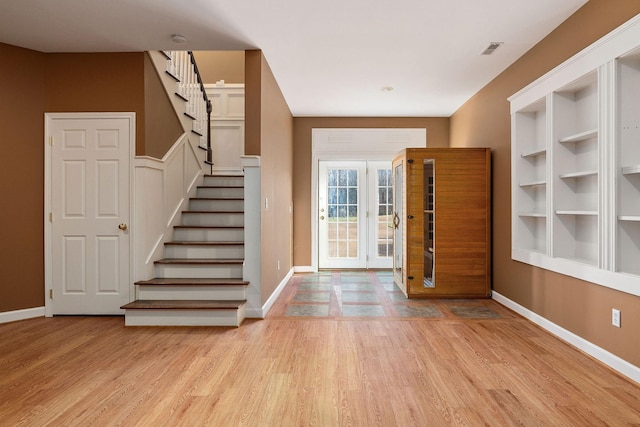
[[437, 136], [33, 83], [162, 127], [269, 133], [22, 84], [221, 65], [97, 82], [484, 121]]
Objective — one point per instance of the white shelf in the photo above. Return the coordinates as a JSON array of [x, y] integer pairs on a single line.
[[579, 137], [533, 184], [577, 212], [579, 174], [535, 153], [631, 170], [532, 214], [629, 218]]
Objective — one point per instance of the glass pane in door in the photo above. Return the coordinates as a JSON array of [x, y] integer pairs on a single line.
[[342, 213], [384, 219]]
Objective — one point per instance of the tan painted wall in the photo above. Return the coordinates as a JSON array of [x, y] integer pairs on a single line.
[[581, 307], [162, 126], [269, 133], [221, 65], [437, 136], [22, 84]]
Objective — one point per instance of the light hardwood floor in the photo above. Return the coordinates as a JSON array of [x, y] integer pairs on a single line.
[[305, 371]]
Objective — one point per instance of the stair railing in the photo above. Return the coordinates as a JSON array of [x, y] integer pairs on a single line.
[[183, 68]]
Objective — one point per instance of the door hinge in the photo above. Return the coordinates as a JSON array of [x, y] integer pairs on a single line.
[[50, 216], [51, 141], [50, 293]]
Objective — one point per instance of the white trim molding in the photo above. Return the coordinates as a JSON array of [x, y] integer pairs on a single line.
[[274, 296], [27, 313], [620, 365]]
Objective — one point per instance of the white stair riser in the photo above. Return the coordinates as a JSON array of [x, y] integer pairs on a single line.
[[224, 180], [204, 251], [209, 235], [216, 205], [161, 317], [199, 271], [188, 292], [213, 219], [219, 192]]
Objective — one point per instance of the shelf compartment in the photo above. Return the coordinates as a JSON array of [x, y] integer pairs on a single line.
[[532, 232], [579, 137], [575, 236], [628, 252]]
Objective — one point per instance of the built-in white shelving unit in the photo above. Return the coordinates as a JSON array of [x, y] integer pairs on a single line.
[[576, 165]]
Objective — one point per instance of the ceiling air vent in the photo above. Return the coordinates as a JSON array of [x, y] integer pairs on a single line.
[[492, 48]]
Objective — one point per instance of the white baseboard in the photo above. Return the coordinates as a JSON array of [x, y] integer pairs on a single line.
[[622, 366], [27, 313], [272, 299], [304, 269]]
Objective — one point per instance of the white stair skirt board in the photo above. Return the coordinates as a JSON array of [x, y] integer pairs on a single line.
[[235, 234], [194, 292], [27, 313], [205, 251], [175, 317], [274, 296], [622, 366]]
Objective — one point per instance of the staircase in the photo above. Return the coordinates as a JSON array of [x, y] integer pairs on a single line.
[[199, 281]]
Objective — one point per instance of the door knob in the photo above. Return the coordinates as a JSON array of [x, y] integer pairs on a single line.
[[321, 218], [122, 227]]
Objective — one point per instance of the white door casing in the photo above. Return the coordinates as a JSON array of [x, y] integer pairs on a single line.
[[88, 181]]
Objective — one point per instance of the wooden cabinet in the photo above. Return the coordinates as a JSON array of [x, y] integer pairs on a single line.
[[442, 222]]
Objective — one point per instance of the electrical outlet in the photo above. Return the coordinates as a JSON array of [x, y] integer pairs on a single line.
[[278, 264], [615, 317]]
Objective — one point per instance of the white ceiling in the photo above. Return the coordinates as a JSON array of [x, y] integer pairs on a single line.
[[330, 57]]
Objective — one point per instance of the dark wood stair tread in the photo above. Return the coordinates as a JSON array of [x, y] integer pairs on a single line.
[[221, 186], [192, 282], [208, 226], [198, 261], [188, 243], [224, 175], [212, 212], [184, 305], [218, 198]]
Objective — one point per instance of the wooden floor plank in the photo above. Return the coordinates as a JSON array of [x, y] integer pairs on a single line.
[[298, 371]]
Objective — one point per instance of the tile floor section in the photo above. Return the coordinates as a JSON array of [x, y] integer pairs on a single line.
[[371, 294]]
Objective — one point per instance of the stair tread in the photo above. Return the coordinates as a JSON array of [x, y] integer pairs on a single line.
[[202, 243], [226, 175], [239, 198], [197, 282], [185, 304], [198, 261], [212, 212], [208, 226]]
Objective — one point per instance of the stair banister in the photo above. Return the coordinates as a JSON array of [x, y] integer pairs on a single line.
[[198, 76]]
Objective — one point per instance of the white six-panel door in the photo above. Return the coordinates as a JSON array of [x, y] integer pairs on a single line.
[[88, 186]]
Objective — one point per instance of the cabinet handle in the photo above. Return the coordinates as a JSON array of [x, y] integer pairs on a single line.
[[410, 216]]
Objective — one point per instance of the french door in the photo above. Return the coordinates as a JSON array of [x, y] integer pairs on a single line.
[[355, 217]]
